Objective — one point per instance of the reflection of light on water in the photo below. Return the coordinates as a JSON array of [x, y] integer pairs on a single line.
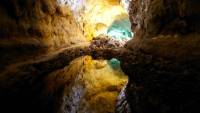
[[92, 85], [114, 63]]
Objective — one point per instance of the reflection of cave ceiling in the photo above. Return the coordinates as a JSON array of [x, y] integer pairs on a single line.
[[93, 85]]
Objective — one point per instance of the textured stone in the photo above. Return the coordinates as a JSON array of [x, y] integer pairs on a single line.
[[162, 61], [164, 68], [29, 28], [95, 16]]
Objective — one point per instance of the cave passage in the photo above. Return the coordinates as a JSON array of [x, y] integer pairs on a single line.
[[101, 17], [101, 80], [119, 27], [81, 56]]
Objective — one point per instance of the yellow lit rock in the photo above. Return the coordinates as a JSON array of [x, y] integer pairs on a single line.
[[101, 11], [95, 16], [64, 10]]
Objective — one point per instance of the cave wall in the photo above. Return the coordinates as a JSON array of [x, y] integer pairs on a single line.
[[162, 61], [164, 17], [42, 20], [164, 72], [38, 39], [34, 27], [95, 16], [165, 28]]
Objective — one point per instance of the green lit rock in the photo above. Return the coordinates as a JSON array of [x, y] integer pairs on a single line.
[[114, 63], [120, 29]]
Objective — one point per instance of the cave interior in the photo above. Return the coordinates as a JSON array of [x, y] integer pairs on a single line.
[[99, 56]]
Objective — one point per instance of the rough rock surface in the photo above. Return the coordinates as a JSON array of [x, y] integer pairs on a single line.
[[95, 16], [153, 17], [34, 27], [162, 61], [163, 67]]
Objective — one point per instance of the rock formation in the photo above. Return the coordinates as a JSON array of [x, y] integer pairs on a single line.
[[164, 70], [28, 28], [39, 39]]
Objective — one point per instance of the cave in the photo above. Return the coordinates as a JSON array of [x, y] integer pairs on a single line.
[[99, 56]]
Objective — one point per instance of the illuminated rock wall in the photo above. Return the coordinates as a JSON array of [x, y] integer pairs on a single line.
[[34, 75], [120, 29], [162, 61], [42, 21], [30, 27], [95, 16]]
